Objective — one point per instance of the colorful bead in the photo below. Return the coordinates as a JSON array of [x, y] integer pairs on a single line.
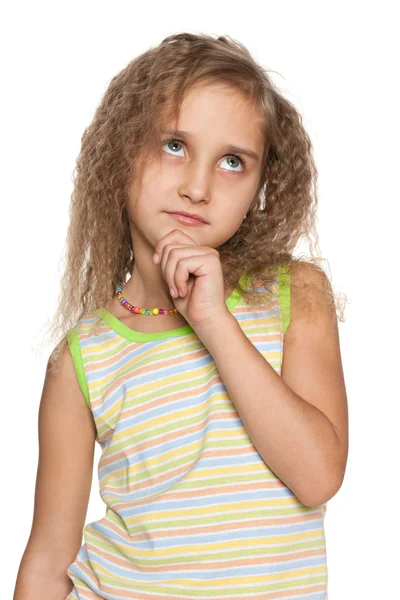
[[141, 310]]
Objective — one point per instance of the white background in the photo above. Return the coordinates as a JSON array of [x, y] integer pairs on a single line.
[[337, 63]]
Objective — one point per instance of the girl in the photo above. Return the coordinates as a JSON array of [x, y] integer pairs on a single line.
[[211, 377]]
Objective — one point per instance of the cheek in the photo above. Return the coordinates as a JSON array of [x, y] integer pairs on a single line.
[[229, 226], [148, 197]]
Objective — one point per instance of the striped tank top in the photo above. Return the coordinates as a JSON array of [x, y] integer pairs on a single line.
[[193, 511]]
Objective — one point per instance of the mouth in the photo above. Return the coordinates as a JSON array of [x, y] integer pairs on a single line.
[[188, 218]]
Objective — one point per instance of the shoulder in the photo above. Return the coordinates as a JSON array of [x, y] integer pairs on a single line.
[[63, 373], [308, 274], [311, 297]]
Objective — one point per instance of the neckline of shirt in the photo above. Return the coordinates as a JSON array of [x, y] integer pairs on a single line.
[[138, 336]]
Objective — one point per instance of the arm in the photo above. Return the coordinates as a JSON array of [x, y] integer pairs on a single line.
[[66, 450], [297, 422]]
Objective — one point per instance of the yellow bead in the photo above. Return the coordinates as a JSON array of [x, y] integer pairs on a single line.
[[155, 311]]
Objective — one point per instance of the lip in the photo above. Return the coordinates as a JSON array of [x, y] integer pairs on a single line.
[[188, 218]]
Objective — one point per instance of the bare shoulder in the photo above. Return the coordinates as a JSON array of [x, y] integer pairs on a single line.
[[311, 298], [61, 374]]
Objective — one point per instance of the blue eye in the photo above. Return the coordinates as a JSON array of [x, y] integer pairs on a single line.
[[239, 160], [175, 142]]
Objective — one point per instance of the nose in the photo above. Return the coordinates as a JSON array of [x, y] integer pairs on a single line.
[[196, 181]]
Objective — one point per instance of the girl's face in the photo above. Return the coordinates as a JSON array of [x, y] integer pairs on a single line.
[[202, 168]]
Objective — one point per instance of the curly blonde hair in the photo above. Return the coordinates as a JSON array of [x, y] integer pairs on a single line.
[[125, 130]]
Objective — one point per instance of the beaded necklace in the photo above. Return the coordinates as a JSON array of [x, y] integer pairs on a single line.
[[139, 310]]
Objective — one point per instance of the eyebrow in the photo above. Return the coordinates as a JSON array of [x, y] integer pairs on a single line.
[[226, 148]]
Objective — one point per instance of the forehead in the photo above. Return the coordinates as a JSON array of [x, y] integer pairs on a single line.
[[220, 111]]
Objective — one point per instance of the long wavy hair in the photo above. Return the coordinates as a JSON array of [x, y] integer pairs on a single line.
[[125, 131]]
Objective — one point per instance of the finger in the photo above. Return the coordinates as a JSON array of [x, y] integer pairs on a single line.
[[196, 265], [174, 256], [165, 258], [192, 266], [183, 274], [167, 250], [176, 236]]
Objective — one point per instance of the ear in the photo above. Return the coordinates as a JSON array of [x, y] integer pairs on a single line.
[[259, 196], [253, 203]]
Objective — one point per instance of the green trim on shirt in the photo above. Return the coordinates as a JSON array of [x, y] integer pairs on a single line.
[[76, 354], [284, 295]]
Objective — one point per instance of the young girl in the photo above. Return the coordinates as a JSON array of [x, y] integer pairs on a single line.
[[196, 349]]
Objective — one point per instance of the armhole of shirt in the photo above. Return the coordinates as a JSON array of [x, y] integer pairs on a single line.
[[284, 296], [76, 354]]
